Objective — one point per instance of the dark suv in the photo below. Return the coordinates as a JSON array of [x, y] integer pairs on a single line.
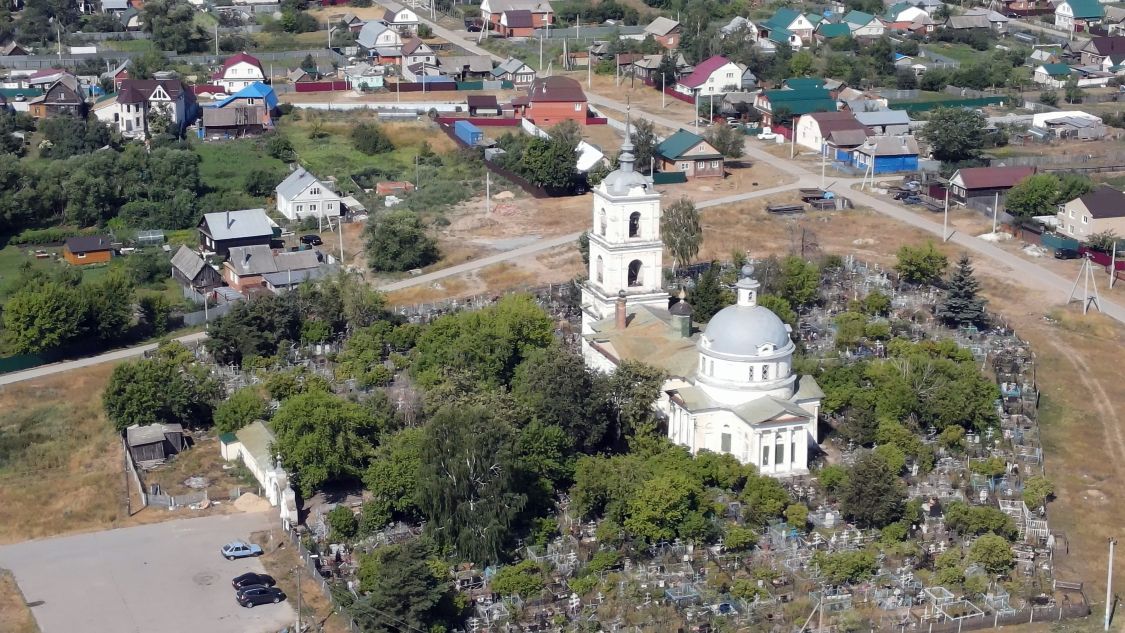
[[1067, 253], [250, 579], [257, 594], [311, 240]]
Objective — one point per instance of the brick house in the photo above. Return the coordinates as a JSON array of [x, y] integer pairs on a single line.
[[550, 100]]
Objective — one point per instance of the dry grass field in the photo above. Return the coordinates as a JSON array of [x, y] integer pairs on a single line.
[[60, 461], [15, 616]]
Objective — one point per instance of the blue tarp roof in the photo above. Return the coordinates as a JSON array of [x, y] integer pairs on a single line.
[[256, 90]]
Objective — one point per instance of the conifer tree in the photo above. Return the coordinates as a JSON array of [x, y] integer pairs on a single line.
[[708, 296], [962, 304]]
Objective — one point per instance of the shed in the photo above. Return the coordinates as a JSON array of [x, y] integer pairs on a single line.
[[154, 442], [91, 249], [888, 154], [192, 273], [482, 105]]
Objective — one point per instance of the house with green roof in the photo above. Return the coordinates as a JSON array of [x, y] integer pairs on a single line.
[[794, 103], [787, 26], [1052, 75], [691, 155], [864, 24], [1077, 16], [827, 30], [802, 83]]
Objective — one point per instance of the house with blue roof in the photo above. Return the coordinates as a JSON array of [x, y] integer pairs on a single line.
[[247, 112]]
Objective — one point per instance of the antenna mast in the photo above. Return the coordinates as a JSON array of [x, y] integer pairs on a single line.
[[1089, 287]]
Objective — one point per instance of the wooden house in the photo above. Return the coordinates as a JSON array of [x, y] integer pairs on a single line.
[[83, 251]]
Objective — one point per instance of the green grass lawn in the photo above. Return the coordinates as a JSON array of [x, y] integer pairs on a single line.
[[130, 46], [223, 164], [960, 53]]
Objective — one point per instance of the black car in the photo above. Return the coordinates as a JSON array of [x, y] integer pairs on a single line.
[[311, 240], [250, 579], [257, 594], [1067, 253]]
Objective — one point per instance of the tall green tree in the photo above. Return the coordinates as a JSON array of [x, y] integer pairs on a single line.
[[324, 439], [167, 388], [681, 231], [471, 488], [241, 408], [487, 345], [873, 495], [402, 589], [395, 472], [954, 134], [172, 25], [397, 241], [644, 141], [668, 506], [42, 318], [921, 264], [962, 303], [729, 141], [1034, 195], [254, 329], [555, 384], [800, 281], [709, 296]]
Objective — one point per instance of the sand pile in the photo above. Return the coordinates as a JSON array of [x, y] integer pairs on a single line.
[[250, 502]]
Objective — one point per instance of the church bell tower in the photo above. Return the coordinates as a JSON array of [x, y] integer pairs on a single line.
[[626, 251]]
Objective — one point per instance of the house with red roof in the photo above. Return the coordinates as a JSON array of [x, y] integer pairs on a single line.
[[238, 72], [713, 76], [516, 23], [550, 100]]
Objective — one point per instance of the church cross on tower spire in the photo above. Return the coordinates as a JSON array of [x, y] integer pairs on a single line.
[[625, 160]]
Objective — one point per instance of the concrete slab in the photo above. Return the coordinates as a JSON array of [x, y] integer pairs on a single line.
[[160, 578]]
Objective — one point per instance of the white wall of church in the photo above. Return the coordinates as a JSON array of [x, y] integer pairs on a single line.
[[778, 449]]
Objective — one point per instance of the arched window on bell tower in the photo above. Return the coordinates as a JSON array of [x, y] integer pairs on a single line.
[[599, 268], [636, 277], [635, 224], [601, 222]]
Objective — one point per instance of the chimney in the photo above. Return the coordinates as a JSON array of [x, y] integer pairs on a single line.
[[229, 221], [246, 258], [619, 316]]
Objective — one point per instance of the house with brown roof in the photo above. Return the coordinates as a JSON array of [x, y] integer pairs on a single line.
[[482, 105], [541, 11], [516, 23], [982, 186], [665, 31], [86, 250], [139, 100], [1098, 211], [550, 100], [1098, 49], [63, 97], [415, 51], [814, 128]]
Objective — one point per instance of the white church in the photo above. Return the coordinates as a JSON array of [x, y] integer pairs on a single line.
[[731, 388]]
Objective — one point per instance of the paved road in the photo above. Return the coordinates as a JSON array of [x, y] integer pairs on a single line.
[[160, 578], [121, 354]]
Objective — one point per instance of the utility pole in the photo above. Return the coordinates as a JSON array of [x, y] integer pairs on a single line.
[[823, 165], [995, 210], [340, 222], [217, 39], [589, 66], [298, 599], [1109, 585], [945, 220]]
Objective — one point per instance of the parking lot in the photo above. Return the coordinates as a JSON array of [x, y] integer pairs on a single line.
[[160, 578]]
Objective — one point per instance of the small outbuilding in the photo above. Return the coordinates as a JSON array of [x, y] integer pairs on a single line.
[[154, 442], [91, 249]]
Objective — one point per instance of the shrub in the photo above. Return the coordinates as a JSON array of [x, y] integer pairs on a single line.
[[522, 579], [1037, 490], [342, 524], [280, 148], [241, 408], [371, 140]]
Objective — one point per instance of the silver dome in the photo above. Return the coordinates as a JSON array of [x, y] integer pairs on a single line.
[[739, 330], [620, 182]]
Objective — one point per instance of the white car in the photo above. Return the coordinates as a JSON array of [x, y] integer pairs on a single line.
[[766, 134]]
